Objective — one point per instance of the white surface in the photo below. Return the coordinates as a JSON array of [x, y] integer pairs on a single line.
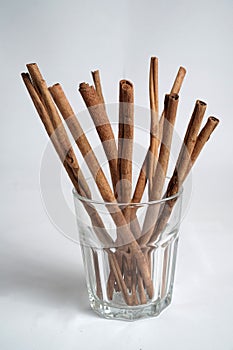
[[43, 301]]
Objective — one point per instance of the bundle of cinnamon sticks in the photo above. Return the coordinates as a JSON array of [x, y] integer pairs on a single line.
[[132, 239]]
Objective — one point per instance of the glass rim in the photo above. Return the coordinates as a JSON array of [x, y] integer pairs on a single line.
[[137, 204]]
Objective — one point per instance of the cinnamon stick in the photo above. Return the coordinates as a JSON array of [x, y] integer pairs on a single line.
[[141, 182], [118, 276], [125, 236], [175, 184], [97, 223], [170, 108], [186, 150], [142, 178], [125, 151], [119, 156], [130, 275], [134, 282], [154, 125], [76, 177], [64, 150], [46, 99], [202, 138], [98, 87], [82, 142], [190, 139], [103, 127], [123, 232], [141, 289], [99, 291], [174, 90], [125, 143], [178, 80]]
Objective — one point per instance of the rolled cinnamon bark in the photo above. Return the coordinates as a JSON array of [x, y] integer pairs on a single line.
[[125, 236], [97, 223], [175, 184], [187, 147], [98, 87], [178, 80], [101, 181], [185, 152], [190, 139], [119, 278], [82, 142], [77, 178], [174, 90], [154, 125], [142, 178], [99, 291], [202, 138], [170, 108], [45, 97], [125, 140], [63, 148], [103, 127], [141, 182]]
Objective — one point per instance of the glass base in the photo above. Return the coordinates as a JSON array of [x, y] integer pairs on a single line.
[[128, 313]]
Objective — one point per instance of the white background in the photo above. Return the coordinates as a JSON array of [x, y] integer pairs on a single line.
[[43, 300]]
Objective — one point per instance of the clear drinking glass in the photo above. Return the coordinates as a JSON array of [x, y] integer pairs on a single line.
[[113, 258]]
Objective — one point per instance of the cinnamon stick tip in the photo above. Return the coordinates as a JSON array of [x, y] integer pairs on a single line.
[[201, 103], [154, 59], [182, 70], [172, 96], [24, 75], [214, 120], [56, 85], [126, 84], [28, 65], [94, 72], [83, 85]]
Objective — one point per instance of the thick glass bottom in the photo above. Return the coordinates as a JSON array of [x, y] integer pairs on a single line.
[[128, 313]]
